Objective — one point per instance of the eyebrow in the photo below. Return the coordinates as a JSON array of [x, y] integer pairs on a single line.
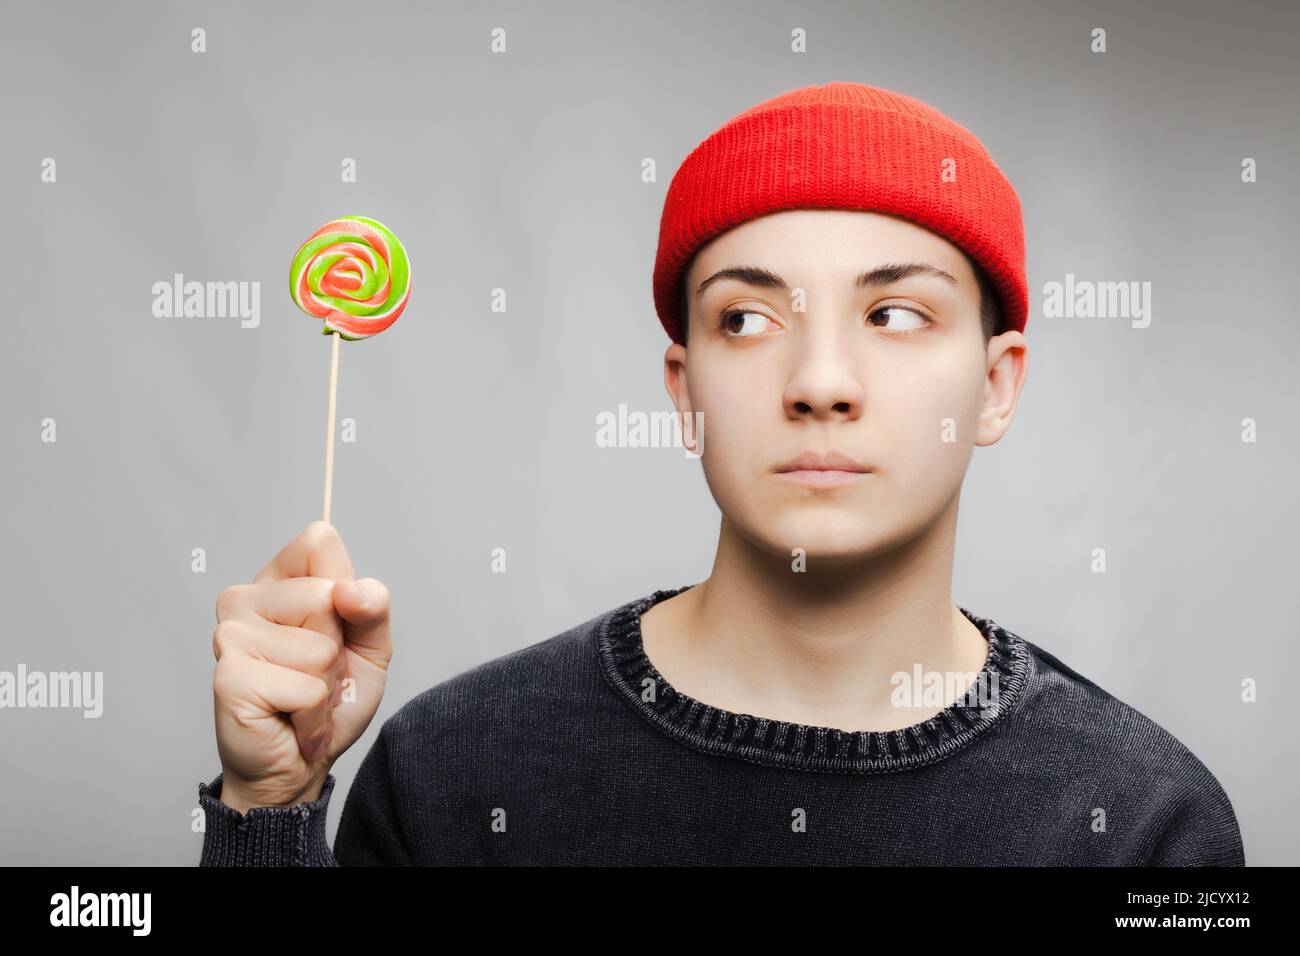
[[886, 274]]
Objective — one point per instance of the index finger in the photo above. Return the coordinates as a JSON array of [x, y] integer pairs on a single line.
[[317, 552]]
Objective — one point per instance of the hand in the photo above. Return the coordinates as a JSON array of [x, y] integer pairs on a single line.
[[302, 661]]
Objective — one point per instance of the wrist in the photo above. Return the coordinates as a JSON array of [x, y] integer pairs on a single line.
[[243, 799]]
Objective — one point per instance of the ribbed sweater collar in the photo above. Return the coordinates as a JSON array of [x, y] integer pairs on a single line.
[[795, 746]]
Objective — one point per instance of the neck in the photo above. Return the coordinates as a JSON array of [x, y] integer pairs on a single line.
[[819, 646]]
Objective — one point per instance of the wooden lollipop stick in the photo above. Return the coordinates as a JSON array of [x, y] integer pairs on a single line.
[[329, 440]]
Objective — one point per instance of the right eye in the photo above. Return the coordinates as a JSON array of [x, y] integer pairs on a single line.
[[729, 319]]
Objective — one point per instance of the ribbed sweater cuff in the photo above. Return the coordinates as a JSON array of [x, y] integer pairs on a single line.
[[265, 836]]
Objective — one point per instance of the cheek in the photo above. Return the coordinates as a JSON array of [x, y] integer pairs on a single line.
[[738, 426], [929, 424], [735, 411]]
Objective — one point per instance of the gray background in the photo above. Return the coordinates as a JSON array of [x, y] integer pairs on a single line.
[[476, 429]]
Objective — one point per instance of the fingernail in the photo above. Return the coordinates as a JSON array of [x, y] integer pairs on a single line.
[[364, 600]]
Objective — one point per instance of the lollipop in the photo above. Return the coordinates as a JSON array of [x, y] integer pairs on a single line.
[[353, 273]]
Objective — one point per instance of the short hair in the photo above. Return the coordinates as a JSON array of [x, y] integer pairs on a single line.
[[990, 302]]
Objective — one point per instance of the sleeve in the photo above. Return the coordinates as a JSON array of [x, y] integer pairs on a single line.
[[1201, 831], [370, 832], [265, 836]]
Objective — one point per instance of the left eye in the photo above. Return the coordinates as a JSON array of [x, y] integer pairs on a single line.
[[910, 315], [728, 318]]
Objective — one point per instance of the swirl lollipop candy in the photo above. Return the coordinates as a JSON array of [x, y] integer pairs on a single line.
[[354, 274]]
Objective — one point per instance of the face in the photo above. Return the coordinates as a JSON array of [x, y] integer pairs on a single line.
[[792, 353]]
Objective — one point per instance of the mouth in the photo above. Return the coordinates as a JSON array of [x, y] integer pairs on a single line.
[[822, 477], [822, 470]]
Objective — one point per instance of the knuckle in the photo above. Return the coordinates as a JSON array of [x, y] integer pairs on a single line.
[[321, 651], [320, 534], [320, 693], [226, 680], [223, 637], [231, 600]]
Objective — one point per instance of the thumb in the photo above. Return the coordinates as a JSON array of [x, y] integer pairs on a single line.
[[363, 606]]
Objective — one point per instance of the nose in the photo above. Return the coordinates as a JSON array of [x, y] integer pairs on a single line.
[[824, 383]]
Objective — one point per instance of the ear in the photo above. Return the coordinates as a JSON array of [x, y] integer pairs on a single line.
[[675, 380], [1007, 364]]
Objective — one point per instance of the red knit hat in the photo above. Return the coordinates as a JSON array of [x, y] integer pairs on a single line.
[[844, 146]]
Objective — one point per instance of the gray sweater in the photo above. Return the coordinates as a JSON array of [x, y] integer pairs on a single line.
[[575, 750]]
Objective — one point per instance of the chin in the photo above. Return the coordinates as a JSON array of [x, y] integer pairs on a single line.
[[831, 535]]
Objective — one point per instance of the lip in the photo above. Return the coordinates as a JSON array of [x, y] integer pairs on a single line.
[[822, 477], [822, 470], [824, 461]]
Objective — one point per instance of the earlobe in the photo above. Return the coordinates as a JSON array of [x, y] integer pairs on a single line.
[[675, 381], [1008, 364], [675, 376]]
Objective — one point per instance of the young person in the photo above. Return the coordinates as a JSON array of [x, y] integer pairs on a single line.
[[841, 273]]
